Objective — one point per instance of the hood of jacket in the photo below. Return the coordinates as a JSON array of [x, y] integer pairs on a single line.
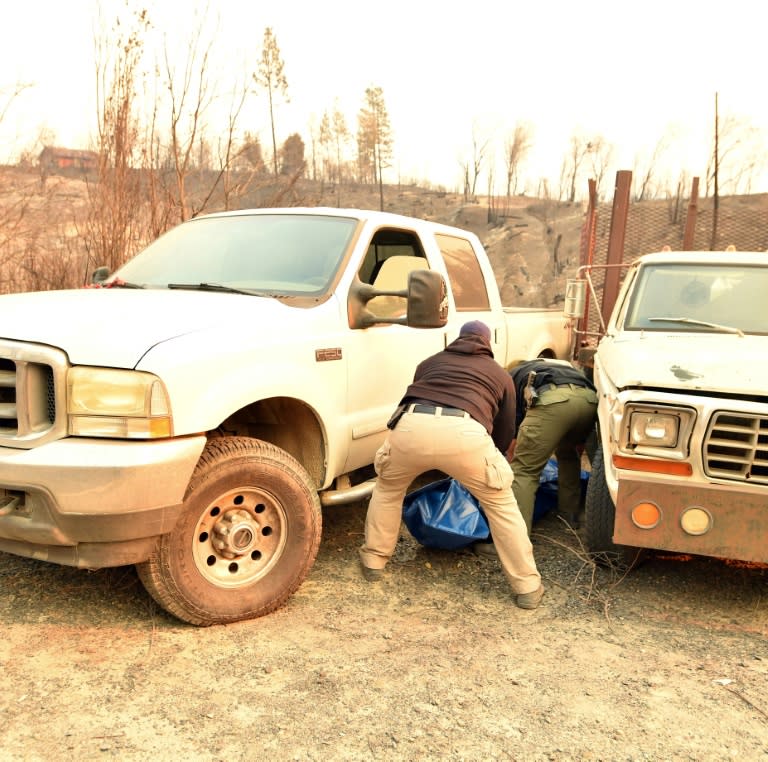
[[471, 344]]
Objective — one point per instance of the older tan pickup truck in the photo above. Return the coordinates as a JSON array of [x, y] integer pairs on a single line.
[[683, 410]]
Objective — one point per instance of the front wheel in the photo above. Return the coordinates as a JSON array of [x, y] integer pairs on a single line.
[[600, 515], [247, 538]]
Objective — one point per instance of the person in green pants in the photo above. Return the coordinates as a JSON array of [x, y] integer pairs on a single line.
[[556, 412]]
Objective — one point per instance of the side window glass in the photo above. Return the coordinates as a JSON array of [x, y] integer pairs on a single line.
[[467, 282], [392, 256]]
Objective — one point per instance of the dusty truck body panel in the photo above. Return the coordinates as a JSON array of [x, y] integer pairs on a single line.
[[535, 332], [193, 412], [683, 409]]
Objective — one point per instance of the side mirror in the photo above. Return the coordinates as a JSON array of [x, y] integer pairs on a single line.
[[426, 302], [99, 275], [575, 297]]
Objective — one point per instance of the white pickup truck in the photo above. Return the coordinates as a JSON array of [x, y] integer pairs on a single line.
[[192, 412], [682, 377]]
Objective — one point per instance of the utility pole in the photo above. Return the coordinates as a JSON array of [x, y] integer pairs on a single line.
[[716, 169]]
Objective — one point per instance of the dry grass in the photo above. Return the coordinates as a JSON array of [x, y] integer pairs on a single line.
[[534, 245]]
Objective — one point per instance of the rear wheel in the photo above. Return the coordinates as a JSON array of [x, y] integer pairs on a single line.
[[600, 515], [246, 540]]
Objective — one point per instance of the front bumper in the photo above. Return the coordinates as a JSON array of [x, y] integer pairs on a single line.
[[93, 503], [739, 519]]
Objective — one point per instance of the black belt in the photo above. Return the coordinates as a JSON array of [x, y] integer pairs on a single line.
[[418, 407]]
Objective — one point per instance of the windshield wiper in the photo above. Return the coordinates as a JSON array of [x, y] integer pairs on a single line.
[[217, 287], [703, 323]]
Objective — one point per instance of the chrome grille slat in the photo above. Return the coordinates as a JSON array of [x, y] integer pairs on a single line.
[[32, 381], [736, 447], [8, 411]]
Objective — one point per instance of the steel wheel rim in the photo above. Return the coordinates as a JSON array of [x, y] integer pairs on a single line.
[[239, 537]]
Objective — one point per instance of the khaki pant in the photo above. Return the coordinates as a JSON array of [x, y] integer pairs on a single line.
[[558, 423], [461, 448]]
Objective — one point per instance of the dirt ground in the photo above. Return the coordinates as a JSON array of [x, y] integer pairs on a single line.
[[433, 663]]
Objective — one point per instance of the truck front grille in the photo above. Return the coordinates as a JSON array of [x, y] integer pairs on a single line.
[[31, 385], [8, 420], [736, 447]]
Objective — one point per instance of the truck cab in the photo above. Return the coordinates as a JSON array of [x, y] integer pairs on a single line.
[[682, 459]]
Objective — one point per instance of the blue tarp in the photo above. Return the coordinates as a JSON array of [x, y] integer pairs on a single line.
[[445, 515], [546, 495]]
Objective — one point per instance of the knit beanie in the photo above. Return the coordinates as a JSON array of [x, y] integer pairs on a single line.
[[476, 328]]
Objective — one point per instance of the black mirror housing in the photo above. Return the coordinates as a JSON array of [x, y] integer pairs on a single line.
[[427, 300]]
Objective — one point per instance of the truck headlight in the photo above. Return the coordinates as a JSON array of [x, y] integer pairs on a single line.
[[126, 404], [656, 430], [653, 429]]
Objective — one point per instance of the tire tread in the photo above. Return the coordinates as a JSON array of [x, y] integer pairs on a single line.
[[156, 573]]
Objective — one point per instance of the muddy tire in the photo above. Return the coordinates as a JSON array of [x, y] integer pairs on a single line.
[[246, 540], [600, 514]]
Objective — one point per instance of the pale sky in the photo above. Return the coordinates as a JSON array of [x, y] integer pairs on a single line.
[[629, 72]]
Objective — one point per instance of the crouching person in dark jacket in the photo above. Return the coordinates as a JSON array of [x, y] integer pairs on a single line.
[[458, 417]]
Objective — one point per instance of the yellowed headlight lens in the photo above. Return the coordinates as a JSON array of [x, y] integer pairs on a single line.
[[106, 402], [654, 429]]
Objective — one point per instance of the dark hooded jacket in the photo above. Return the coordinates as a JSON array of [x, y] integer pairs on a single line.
[[465, 375]]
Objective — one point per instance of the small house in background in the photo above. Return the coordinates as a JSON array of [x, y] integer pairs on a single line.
[[67, 161]]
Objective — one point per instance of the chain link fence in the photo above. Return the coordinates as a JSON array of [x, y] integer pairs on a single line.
[[741, 221]]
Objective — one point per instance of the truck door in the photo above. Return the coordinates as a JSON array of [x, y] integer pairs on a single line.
[[382, 358]]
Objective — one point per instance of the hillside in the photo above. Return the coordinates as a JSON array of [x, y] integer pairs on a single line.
[[43, 228], [533, 244]]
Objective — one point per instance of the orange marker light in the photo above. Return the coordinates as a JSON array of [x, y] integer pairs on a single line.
[[672, 467], [646, 515]]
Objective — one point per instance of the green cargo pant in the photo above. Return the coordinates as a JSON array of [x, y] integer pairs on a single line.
[[558, 423]]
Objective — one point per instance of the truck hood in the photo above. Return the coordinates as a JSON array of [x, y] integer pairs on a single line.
[[722, 362], [116, 327]]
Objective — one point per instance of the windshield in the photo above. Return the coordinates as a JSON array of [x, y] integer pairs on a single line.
[[700, 298], [269, 254]]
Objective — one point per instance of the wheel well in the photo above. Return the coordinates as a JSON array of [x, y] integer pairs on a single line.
[[288, 424]]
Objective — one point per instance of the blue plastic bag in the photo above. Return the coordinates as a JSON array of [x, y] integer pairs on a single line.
[[546, 494], [444, 514]]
